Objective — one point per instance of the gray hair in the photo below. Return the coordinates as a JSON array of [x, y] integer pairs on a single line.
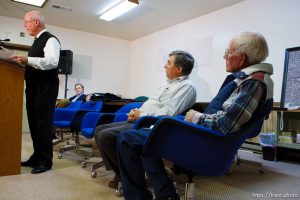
[[37, 15], [79, 85], [184, 60], [253, 44]]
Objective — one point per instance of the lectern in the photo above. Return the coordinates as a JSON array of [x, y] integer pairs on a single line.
[[11, 97]]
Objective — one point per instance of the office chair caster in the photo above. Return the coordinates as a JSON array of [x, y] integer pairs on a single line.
[[83, 164], [119, 191], [94, 174], [59, 156], [261, 170]]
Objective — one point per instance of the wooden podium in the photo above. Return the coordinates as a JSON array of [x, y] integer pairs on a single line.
[[11, 103]]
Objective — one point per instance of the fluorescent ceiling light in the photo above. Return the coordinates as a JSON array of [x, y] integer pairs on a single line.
[[119, 9], [39, 3]]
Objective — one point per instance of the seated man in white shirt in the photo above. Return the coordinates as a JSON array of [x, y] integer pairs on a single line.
[[173, 98]]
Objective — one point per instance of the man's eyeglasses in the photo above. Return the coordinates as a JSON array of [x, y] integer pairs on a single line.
[[26, 22], [228, 51]]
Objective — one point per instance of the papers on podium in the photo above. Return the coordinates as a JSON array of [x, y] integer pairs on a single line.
[[5, 54]]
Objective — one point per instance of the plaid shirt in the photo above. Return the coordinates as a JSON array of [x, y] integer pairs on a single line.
[[237, 109]]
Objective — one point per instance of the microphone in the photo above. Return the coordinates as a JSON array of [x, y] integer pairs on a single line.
[[5, 40]]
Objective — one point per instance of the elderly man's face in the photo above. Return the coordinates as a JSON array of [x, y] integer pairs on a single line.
[[234, 60], [31, 25]]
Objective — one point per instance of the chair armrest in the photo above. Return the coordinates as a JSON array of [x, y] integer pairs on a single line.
[[145, 122], [181, 117], [77, 120], [106, 118], [181, 127], [63, 114], [120, 117]]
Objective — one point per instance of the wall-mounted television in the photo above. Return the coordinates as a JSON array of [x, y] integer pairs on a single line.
[[290, 93]]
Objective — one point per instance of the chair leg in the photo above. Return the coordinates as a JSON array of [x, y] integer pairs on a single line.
[[69, 147], [238, 161], [61, 135], [55, 140], [254, 163], [96, 166], [189, 189], [119, 191]]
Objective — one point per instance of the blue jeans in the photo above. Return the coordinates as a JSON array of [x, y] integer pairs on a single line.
[[133, 166]]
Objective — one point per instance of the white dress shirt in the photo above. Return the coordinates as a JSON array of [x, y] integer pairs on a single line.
[[173, 98], [51, 55]]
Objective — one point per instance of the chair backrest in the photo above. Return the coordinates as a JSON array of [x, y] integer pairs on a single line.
[[128, 107], [91, 106], [63, 116], [74, 105], [121, 114], [89, 123], [141, 98], [264, 114], [92, 119]]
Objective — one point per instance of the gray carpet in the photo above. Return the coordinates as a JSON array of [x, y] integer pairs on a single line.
[[67, 180]]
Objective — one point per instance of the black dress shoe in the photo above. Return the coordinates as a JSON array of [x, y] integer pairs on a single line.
[[28, 163], [40, 169]]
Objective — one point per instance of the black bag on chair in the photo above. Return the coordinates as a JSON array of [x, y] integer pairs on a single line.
[[104, 97]]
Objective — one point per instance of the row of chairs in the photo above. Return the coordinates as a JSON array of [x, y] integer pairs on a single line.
[[94, 119], [71, 116], [82, 118], [195, 150]]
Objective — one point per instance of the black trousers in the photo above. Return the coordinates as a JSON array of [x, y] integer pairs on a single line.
[[40, 105]]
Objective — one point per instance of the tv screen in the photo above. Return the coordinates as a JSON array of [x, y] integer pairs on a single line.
[[290, 93]]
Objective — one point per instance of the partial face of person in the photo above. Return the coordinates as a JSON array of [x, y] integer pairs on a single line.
[[172, 71], [234, 60], [78, 89], [31, 25]]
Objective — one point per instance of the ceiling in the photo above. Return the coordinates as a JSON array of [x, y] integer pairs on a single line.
[[149, 17]]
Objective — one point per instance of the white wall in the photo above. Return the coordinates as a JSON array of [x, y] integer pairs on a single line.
[[136, 68], [206, 38], [100, 63]]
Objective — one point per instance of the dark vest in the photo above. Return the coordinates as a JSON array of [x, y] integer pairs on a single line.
[[37, 76], [228, 87]]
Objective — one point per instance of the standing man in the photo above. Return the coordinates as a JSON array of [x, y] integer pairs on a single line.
[[42, 82]]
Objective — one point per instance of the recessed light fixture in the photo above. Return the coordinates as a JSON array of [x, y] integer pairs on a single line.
[[119, 9], [38, 3]]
